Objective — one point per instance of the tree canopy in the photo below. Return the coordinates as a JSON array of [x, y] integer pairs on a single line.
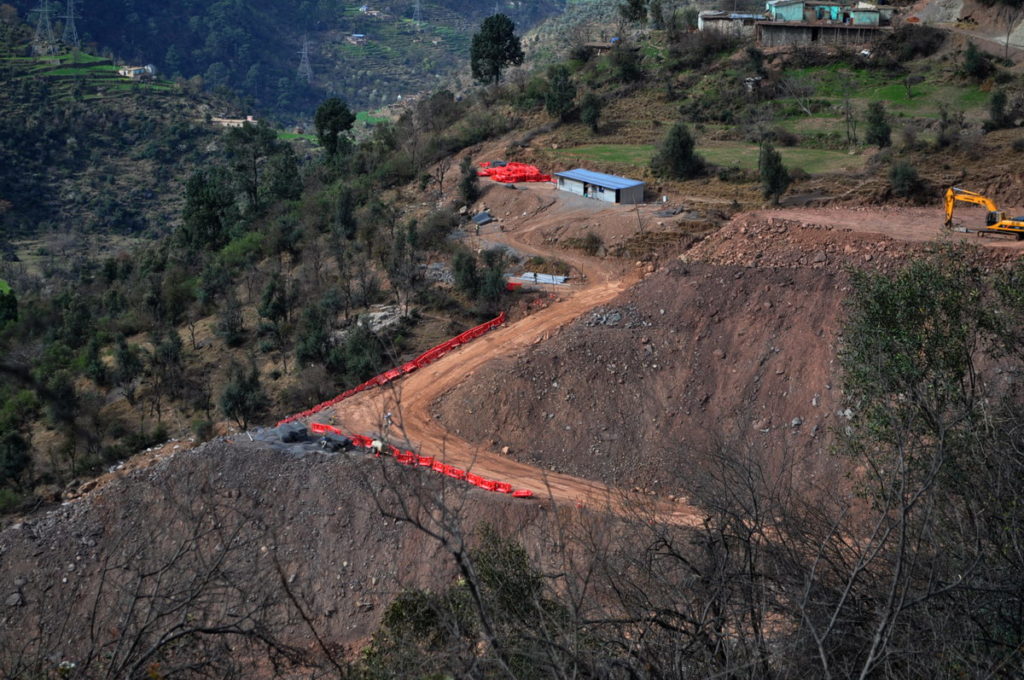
[[333, 119], [495, 47]]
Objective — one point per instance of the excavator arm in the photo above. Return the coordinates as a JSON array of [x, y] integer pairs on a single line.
[[955, 195], [995, 219]]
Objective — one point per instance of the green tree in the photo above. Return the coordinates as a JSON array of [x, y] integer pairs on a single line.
[[469, 181], [248, 147], [977, 64], [467, 278], [904, 180], [633, 11], [590, 110], [879, 132], [283, 178], [775, 178], [561, 92], [274, 307], [230, 325], [676, 157], [128, 367], [494, 48], [997, 115], [332, 120], [243, 399], [8, 304], [208, 210]]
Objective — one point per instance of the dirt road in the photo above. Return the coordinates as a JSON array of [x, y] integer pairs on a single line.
[[410, 399]]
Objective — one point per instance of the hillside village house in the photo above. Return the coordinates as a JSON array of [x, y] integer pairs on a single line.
[[804, 22], [137, 72], [728, 23], [608, 188]]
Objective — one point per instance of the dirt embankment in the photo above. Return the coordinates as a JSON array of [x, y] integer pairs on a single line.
[[204, 531], [735, 345]]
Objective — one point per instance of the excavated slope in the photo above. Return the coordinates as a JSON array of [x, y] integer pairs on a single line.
[[735, 346]]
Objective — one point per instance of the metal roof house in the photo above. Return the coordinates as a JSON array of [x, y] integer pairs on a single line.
[[609, 188]]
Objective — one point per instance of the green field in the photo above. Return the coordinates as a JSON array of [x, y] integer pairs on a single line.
[[369, 118], [726, 154], [290, 136]]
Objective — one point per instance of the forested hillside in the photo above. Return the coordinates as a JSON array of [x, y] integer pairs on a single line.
[[253, 47], [86, 151]]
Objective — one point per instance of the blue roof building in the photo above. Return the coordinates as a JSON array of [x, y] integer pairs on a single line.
[[608, 188]]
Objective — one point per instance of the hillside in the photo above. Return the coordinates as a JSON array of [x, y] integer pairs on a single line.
[[90, 152], [253, 48], [767, 427]]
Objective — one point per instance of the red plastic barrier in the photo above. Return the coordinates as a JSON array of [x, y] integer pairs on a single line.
[[488, 484], [321, 428], [474, 479], [426, 461], [438, 466], [503, 487], [455, 473], [522, 493], [515, 172]]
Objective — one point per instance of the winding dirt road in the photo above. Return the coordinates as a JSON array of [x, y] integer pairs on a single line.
[[410, 398]]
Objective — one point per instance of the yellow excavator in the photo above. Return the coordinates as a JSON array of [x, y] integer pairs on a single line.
[[996, 221]]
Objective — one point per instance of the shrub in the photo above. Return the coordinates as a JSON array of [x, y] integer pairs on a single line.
[[676, 157], [977, 64], [904, 180], [878, 133], [592, 243], [775, 179], [909, 42]]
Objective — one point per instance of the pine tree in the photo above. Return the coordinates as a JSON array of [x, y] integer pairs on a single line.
[[775, 178], [495, 47], [676, 157], [590, 110], [561, 92], [878, 133], [243, 398]]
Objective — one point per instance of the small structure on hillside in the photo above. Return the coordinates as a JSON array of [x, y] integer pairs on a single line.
[[138, 72], [234, 122], [804, 22], [728, 23], [608, 188]]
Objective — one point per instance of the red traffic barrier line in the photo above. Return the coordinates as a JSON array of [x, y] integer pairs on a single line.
[[522, 493], [432, 354]]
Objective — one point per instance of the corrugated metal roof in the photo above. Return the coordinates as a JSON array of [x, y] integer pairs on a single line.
[[599, 178]]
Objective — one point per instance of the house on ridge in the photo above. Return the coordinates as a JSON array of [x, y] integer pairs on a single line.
[[608, 188]]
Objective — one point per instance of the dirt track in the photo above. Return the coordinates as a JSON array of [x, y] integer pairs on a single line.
[[410, 399], [529, 216]]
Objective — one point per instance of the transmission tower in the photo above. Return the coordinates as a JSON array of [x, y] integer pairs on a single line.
[[43, 43], [417, 16], [70, 36], [497, 7], [305, 70]]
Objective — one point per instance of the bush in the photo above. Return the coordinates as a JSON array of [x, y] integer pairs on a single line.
[[878, 133], [775, 179], [676, 158], [905, 181], [592, 243], [909, 42], [977, 64]]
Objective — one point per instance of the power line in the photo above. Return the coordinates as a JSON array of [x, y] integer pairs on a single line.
[[43, 43], [70, 36], [305, 69]]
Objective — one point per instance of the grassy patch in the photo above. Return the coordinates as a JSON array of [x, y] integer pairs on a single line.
[[4, 287], [726, 154], [290, 136], [626, 154], [810, 160], [369, 118]]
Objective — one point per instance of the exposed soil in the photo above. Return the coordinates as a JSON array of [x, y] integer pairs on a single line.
[[316, 514]]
